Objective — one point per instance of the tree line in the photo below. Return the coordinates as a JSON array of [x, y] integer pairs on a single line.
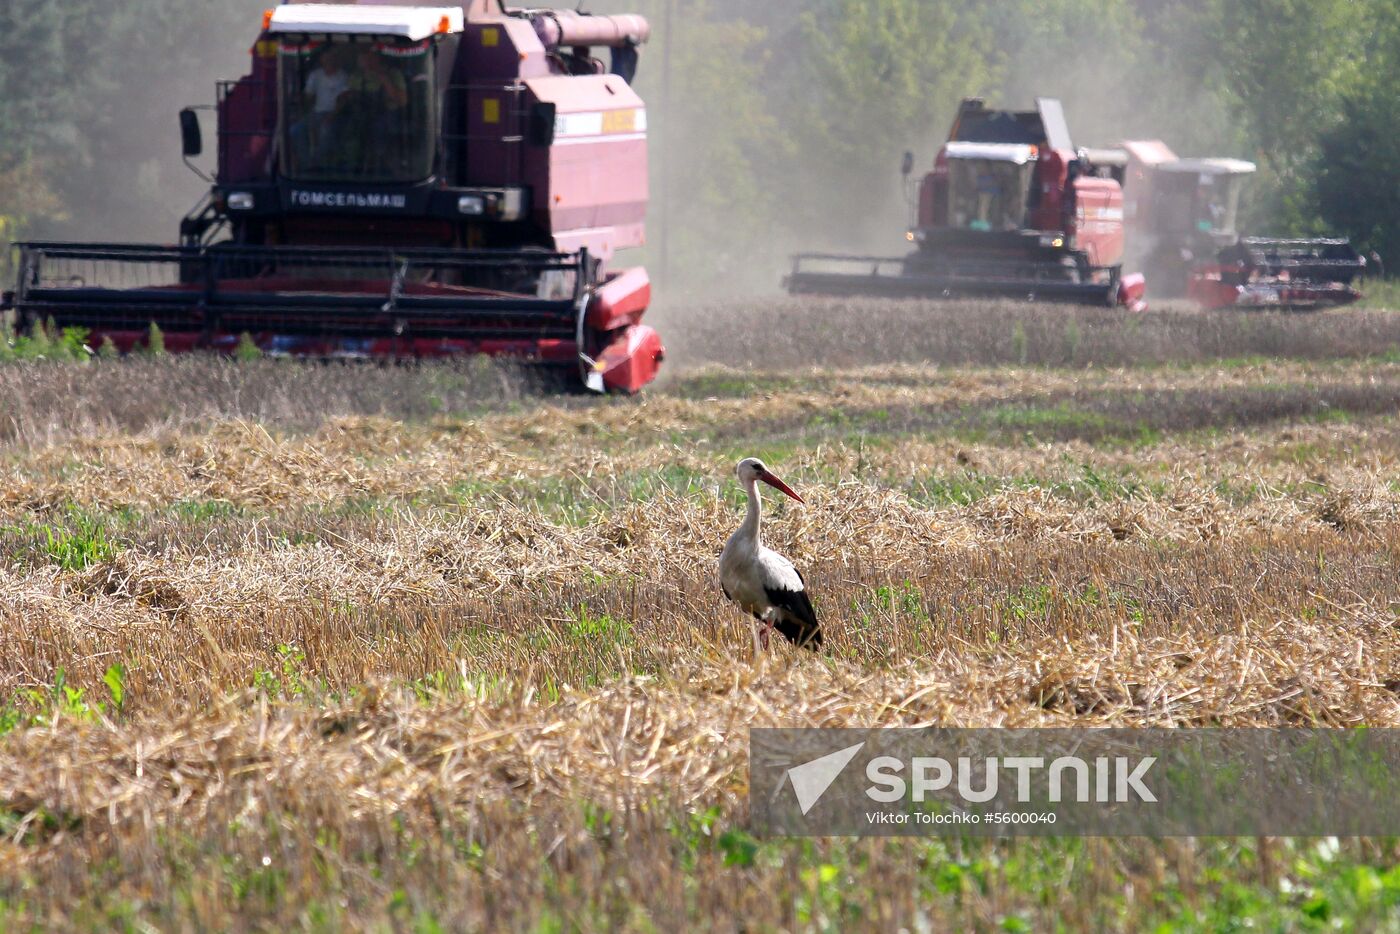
[[778, 125], [787, 119]]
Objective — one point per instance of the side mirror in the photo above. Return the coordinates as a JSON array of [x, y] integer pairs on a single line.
[[908, 167], [624, 61], [191, 140], [542, 124]]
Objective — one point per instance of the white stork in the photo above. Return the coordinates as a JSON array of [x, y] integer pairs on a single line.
[[760, 580]]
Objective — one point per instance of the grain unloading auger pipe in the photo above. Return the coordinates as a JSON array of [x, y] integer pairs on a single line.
[[567, 28], [883, 277]]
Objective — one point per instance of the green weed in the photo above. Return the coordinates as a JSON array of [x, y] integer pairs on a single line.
[[79, 546], [155, 341], [288, 679], [64, 701], [602, 629], [43, 342], [246, 349]]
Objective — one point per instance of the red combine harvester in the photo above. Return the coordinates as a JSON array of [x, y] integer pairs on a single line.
[[1182, 222], [1011, 208], [399, 181]]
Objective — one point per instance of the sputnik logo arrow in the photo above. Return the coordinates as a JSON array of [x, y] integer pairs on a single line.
[[811, 779]]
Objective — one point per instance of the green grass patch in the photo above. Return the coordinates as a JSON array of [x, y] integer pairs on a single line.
[[74, 541], [599, 630], [969, 487], [288, 678], [1049, 422], [728, 384], [76, 548], [205, 510], [1381, 294], [43, 342], [395, 881], [574, 500], [63, 700], [1242, 363]]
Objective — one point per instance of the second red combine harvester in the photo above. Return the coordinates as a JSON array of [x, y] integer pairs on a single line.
[[1183, 219], [399, 181], [1010, 209]]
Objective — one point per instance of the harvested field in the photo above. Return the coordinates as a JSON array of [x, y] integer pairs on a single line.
[[787, 332], [304, 647]]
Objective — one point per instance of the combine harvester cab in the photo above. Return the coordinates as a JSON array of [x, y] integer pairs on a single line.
[[1183, 227], [399, 182], [1011, 209]]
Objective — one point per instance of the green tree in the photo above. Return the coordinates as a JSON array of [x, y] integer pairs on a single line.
[[120, 171], [782, 123], [721, 146], [872, 79], [1286, 65], [1079, 51], [34, 102], [1357, 168], [34, 87]]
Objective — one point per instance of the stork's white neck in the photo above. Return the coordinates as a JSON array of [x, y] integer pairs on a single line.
[[748, 532]]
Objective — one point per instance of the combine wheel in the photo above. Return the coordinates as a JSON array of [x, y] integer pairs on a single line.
[[1115, 277]]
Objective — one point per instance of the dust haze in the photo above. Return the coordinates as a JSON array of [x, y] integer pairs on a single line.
[[1108, 95], [123, 179], [726, 214]]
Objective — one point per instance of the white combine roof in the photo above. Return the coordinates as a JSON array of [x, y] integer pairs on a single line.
[[410, 22], [1018, 153], [1211, 166], [1151, 152]]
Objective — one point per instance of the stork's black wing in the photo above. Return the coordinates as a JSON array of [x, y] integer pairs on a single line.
[[794, 616]]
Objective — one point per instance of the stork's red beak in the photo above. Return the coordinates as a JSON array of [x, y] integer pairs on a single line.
[[777, 484]]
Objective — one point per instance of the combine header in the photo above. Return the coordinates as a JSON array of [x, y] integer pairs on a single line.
[[399, 181], [1012, 209], [1183, 219]]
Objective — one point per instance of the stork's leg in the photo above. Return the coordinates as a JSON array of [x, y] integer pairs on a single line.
[[765, 629], [762, 626]]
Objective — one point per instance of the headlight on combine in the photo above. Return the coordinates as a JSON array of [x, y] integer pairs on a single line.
[[473, 205], [240, 201]]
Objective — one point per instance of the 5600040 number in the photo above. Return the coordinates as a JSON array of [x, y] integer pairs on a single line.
[[1019, 817]]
